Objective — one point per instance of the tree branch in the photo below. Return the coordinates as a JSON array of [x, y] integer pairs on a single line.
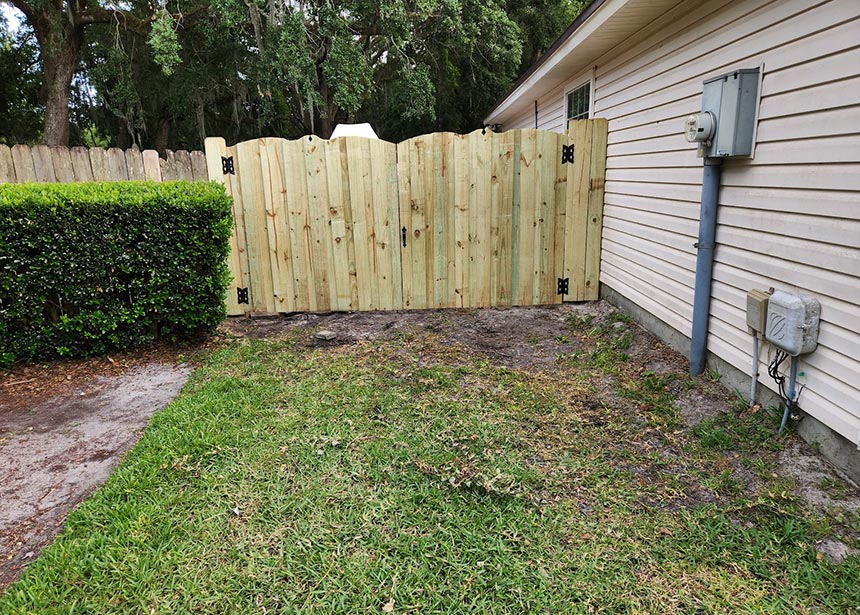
[[130, 22], [101, 15]]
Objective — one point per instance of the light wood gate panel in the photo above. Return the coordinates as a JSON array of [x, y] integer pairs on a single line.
[[484, 218], [316, 224], [441, 220], [586, 178]]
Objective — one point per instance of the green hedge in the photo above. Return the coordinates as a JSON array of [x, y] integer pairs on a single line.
[[88, 268]]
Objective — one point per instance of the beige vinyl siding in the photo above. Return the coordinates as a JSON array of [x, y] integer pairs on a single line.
[[550, 113], [790, 218]]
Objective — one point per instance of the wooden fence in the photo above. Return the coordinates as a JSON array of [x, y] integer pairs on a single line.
[[441, 220], [40, 163]]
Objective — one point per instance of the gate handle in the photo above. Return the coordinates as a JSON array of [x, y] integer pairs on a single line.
[[403, 235]]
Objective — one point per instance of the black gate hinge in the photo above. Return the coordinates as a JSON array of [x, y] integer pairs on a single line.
[[227, 165], [563, 286], [567, 153], [242, 295]]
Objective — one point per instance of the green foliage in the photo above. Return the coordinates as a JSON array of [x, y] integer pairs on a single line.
[[87, 268], [165, 43], [541, 22], [171, 73], [20, 112]]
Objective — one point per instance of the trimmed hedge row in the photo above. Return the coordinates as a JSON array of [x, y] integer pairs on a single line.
[[91, 267]]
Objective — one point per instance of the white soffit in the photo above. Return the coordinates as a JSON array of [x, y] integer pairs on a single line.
[[611, 24]]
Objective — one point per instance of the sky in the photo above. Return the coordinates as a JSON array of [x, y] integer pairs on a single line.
[[13, 16]]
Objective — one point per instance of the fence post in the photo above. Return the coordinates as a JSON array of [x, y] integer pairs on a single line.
[[216, 148]]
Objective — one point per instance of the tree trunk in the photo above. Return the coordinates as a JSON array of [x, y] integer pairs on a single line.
[[162, 137], [61, 54]]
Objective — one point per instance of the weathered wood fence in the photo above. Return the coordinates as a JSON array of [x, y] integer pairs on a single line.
[[40, 163], [441, 220]]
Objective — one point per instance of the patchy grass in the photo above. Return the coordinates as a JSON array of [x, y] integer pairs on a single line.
[[416, 475]]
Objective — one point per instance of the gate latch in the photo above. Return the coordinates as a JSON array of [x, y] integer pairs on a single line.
[[563, 286]]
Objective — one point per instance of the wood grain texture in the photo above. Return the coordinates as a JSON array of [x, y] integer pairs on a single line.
[[7, 165], [152, 165], [23, 160], [82, 164], [134, 162], [168, 166], [485, 217], [182, 160], [100, 164], [198, 166], [40, 163], [275, 202], [43, 164], [62, 161], [117, 169], [597, 181], [216, 148]]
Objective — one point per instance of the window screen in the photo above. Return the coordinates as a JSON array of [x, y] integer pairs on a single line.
[[578, 102]]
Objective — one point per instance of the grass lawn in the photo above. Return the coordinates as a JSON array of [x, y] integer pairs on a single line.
[[418, 475]]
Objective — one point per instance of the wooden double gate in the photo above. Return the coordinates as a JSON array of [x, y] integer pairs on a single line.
[[440, 220]]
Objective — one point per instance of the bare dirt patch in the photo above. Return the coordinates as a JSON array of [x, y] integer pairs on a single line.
[[54, 452], [542, 340]]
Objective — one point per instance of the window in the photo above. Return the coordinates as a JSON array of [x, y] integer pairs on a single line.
[[579, 102]]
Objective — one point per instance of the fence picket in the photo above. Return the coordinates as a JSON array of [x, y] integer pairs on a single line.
[[319, 236], [117, 166], [152, 165], [62, 161], [99, 163], [576, 224], [276, 210], [81, 164], [23, 160], [7, 165], [340, 217], [43, 164], [134, 163], [597, 181]]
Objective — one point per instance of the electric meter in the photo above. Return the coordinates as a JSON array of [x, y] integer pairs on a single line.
[[700, 127]]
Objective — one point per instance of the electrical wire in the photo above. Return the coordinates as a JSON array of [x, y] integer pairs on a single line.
[[773, 371], [780, 379]]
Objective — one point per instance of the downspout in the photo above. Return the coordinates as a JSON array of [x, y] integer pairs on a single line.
[[705, 264]]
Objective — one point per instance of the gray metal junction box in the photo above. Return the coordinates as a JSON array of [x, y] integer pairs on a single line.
[[732, 99], [792, 322]]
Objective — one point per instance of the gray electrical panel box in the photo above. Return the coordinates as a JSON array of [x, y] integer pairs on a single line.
[[757, 310], [792, 322], [732, 99]]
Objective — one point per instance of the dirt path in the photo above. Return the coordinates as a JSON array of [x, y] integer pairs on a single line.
[[54, 454]]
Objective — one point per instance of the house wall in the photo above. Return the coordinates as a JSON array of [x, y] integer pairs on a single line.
[[789, 218]]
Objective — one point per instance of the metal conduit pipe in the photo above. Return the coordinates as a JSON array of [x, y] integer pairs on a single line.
[[789, 402], [754, 370], [705, 264]]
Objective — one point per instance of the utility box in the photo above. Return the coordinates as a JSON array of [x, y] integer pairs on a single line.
[[757, 310], [792, 322], [732, 100]]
